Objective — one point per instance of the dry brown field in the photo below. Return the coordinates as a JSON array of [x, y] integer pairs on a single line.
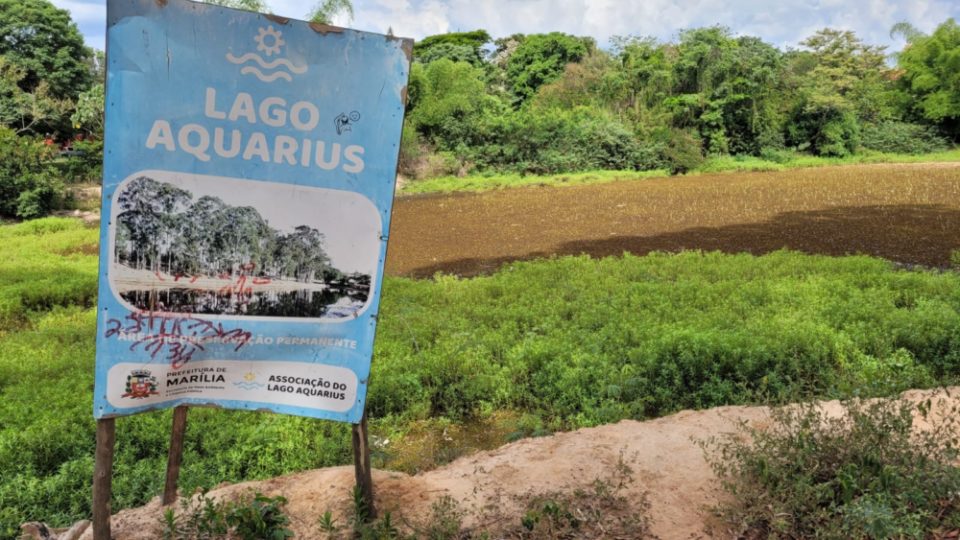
[[908, 213]]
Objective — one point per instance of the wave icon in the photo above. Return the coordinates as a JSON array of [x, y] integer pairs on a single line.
[[277, 65], [248, 385]]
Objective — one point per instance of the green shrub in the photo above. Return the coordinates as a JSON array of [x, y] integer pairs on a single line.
[[28, 186], [683, 152], [865, 474], [251, 517], [902, 138], [84, 166], [824, 132], [555, 141]]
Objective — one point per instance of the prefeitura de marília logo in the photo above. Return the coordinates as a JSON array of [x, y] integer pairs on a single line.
[[270, 42], [141, 384]]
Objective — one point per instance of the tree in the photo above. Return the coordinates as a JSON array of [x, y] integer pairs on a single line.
[[447, 97], [456, 46], [43, 41], [89, 112], [540, 59], [931, 76], [326, 10], [839, 82], [27, 111], [249, 5]]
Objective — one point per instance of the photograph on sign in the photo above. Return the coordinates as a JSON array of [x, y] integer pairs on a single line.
[[249, 209], [223, 246]]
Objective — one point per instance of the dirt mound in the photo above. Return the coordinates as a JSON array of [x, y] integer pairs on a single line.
[[668, 470], [908, 213]]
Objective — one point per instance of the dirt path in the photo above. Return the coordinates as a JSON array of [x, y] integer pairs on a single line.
[[668, 468], [905, 212]]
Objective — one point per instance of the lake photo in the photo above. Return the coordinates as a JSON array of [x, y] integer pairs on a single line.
[[221, 246]]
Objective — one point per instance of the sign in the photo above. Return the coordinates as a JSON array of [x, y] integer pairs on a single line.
[[249, 172]]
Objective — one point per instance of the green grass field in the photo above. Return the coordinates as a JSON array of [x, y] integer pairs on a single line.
[[725, 164], [538, 346]]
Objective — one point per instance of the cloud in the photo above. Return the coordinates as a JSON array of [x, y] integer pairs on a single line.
[[783, 23]]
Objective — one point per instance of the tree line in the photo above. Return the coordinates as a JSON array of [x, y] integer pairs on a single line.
[[546, 103], [161, 228], [538, 103]]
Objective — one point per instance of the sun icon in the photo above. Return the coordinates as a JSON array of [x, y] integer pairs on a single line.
[[274, 35], [249, 377]]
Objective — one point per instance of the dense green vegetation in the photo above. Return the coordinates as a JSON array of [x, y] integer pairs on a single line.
[[559, 343], [538, 104], [779, 161], [555, 103]]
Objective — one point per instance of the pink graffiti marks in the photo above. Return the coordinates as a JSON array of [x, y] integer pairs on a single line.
[[239, 286], [174, 338]]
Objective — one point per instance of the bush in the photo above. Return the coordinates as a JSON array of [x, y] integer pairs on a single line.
[[84, 165], [824, 132], [539, 142], [864, 474], [28, 186], [251, 517], [683, 151], [902, 138]]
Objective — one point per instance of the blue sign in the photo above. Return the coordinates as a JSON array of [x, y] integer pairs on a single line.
[[248, 181]]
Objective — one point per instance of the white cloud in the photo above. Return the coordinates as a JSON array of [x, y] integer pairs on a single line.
[[783, 23], [84, 11]]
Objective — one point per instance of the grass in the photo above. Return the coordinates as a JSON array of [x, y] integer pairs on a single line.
[[536, 347], [449, 184], [780, 161]]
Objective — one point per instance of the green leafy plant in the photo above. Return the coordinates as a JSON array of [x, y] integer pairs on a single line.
[[865, 473], [251, 517]]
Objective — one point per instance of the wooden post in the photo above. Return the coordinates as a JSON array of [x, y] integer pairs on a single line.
[[361, 465], [175, 454], [102, 478]]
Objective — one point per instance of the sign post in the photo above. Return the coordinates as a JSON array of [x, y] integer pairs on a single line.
[[361, 466], [175, 454], [103, 478], [249, 171]]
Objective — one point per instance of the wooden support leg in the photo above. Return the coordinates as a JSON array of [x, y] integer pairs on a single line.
[[175, 455], [361, 465], [103, 478]]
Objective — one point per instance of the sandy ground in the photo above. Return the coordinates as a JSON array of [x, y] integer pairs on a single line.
[[129, 279], [667, 463], [908, 213]]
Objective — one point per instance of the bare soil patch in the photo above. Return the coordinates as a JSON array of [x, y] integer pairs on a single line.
[[669, 473], [908, 213]]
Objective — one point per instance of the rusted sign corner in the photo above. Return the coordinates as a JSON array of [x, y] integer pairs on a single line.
[[162, 3], [407, 46], [276, 18], [403, 94], [324, 29]]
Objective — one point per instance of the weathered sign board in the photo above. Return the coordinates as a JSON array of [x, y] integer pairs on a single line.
[[249, 174]]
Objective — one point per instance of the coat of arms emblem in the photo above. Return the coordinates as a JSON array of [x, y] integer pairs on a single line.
[[141, 384]]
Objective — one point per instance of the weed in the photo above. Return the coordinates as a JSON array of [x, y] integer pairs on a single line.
[[251, 517], [603, 510], [866, 473]]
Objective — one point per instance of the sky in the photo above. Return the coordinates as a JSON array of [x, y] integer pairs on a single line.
[[783, 23]]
